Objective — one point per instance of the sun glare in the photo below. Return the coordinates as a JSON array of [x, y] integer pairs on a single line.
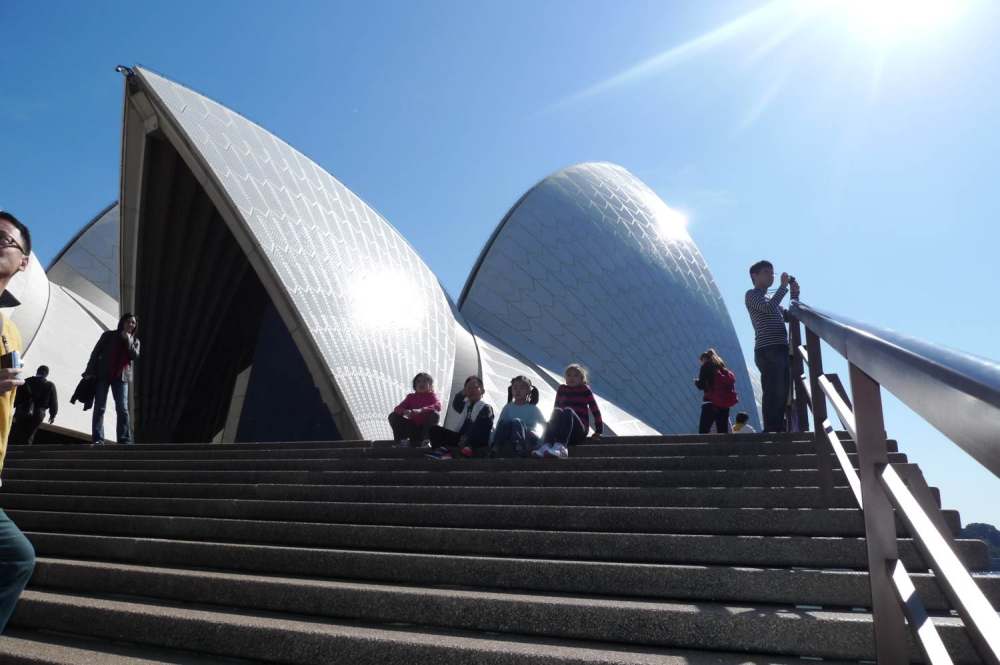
[[886, 22]]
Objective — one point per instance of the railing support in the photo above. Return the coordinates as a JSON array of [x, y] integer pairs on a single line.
[[800, 403], [880, 522], [823, 463]]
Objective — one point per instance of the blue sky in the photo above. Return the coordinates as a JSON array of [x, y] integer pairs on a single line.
[[860, 158]]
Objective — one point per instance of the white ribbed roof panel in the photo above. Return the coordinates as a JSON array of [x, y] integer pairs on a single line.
[[366, 303], [592, 266], [89, 265]]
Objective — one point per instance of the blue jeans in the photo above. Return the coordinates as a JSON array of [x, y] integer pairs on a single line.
[[17, 560], [513, 432], [772, 361], [119, 390]]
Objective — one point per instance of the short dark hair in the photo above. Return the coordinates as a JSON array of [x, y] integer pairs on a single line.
[[21, 228], [43, 370], [473, 378], [760, 265], [422, 375], [742, 417]]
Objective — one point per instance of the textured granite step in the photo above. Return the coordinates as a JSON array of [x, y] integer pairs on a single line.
[[32, 647], [421, 463], [352, 574], [293, 638], [843, 522], [757, 497], [614, 448], [543, 475], [292, 548]]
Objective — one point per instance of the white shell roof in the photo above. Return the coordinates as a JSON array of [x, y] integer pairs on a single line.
[[366, 301], [592, 266], [500, 366], [31, 288], [89, 265]]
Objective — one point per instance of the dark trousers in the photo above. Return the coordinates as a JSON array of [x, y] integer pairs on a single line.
[[119, 391], [404, 428], [17, 560], [513, 434], [711, 414], [442, 436], [24, 429], [565, 427], [772, 361]]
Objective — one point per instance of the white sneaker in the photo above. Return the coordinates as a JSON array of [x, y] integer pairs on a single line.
[[541, 450], [557, 450], [426, 443]]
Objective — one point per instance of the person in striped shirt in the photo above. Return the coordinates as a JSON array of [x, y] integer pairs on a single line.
[[771, 340], [570, 420]]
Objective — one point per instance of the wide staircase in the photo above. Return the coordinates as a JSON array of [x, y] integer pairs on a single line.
[[697, 549]]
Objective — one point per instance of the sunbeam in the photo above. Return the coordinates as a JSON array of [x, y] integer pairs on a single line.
[[681, 53]]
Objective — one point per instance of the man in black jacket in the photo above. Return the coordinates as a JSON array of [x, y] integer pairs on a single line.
[[35, 397], [110, 366]]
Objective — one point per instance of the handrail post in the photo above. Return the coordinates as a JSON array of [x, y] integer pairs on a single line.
[[820, 419], [880, 523], [800, 404]]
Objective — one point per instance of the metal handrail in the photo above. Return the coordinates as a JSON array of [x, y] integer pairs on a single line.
[[876, 356], [956, 392]]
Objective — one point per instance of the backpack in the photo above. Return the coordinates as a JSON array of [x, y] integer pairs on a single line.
[[723, 394]]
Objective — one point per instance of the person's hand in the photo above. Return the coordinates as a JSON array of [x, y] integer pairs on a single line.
[[795, 290], [784, 279], [407, 413], [595, 435], [10, 378]]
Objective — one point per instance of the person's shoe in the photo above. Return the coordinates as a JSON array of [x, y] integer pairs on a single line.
[[466, 451], [99, 443], [404, 443], [440, 454], [557, 450], [426, 443], [541, 450]]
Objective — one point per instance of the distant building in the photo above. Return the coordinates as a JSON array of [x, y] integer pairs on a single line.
[[276, 305]]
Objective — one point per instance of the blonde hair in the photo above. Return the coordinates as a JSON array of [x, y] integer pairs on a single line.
[[579, 368]]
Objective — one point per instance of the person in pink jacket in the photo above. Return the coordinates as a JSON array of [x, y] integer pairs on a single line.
[[416, 414]]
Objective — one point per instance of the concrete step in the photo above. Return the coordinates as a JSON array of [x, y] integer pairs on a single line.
[[420, 463], [292, 638], [754, 497], [262, 545], [841, 522], [542, 475], [387, 450], [778, 586], [802, 437], [33, 647]]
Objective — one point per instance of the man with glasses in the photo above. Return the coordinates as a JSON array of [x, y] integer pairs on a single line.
[[17, 556]]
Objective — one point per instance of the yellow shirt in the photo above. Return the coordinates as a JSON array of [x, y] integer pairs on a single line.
[[13, 343]]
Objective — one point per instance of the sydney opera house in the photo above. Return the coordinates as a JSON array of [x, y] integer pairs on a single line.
[[276, 305]]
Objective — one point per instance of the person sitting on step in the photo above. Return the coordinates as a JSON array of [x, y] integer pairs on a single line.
[[570, 421], [742, 423], [416, 414], [474, 426], [520, 420]]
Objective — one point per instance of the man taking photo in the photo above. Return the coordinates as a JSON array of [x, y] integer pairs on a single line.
[[770, 348]]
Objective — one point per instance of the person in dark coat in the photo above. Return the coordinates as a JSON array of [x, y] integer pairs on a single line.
[[36, 396], [110, 366]]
